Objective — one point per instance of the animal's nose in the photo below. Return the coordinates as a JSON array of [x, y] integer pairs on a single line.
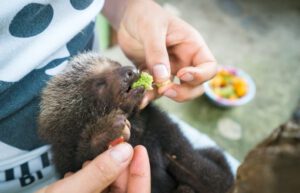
[[129, 73]]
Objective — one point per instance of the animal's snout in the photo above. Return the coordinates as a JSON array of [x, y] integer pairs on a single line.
[[129, 74]]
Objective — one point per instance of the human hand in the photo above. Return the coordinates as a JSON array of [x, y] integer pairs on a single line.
[[110, 172], [166, 46]]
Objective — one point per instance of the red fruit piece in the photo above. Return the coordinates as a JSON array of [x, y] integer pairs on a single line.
[[116, 141]]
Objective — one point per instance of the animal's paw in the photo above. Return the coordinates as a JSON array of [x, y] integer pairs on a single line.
[[107, 131], [113, 129], [122, 125]]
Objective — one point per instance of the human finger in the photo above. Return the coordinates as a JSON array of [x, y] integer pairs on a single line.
[[99, 173], [198, 74], [120, 185], [71, 173], [184, 92], [68, 174], [148, 97], [86, 163], [139, 172], [146, 100], [156, 53]]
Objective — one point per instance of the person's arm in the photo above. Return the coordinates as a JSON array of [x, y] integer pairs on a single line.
[[120, 168]]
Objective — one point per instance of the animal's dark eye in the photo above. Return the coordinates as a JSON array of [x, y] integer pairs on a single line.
[[99, 83]]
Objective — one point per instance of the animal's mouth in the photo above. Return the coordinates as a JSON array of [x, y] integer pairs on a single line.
[[134, 91], [130, 98]]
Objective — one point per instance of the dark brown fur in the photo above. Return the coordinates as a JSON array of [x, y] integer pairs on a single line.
[[273, 166], [86, 107]]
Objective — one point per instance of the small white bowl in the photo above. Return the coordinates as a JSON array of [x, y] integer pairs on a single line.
[[220, 101]]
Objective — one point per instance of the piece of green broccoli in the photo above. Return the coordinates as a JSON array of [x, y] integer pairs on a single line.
[[145, 80]]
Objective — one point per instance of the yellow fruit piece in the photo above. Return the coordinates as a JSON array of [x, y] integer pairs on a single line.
[[233, 97], [238, 82], [217, 81], [241, 91], [224, 73]]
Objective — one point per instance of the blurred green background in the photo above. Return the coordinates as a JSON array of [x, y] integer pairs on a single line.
[[260, 37]]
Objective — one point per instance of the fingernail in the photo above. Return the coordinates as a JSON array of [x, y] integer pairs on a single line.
[[170, 93], [187, 77], [121, 152], [160, 71]]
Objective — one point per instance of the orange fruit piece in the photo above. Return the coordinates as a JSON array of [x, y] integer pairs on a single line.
[[241, 91], [217, 81], [116, 141]]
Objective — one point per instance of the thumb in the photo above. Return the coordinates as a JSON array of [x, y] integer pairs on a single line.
[[157, 57], [99, 173]]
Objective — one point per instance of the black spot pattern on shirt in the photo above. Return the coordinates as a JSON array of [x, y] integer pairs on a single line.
[[80, 4], [19, 112], [81, 40], [4, 86], [31, 20]]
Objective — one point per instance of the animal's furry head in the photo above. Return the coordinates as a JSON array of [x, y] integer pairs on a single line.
[[89, 87]]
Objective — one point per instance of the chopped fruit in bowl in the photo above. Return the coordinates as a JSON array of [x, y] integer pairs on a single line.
[[230, 87]]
